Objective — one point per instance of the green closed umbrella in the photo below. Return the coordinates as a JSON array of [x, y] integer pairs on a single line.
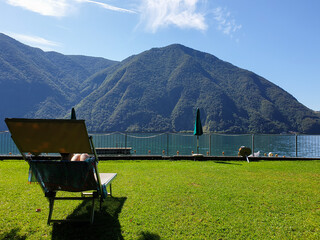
[[73, 114], [198, 128]]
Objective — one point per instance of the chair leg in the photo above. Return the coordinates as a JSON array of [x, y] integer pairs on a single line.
[[92, 212], [51, 202]]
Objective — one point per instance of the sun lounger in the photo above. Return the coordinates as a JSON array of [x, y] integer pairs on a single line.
[[56, 136]]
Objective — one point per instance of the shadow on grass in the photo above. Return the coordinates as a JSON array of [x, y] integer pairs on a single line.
[[222, 162], [149, 236], [105, 226], [13, 234]]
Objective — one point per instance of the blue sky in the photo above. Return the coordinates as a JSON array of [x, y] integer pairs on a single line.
[[278, 40]]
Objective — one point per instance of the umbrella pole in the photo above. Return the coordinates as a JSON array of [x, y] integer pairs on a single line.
[[197, 144]]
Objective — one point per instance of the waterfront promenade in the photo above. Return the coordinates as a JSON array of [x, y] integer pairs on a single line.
[[183, 145]]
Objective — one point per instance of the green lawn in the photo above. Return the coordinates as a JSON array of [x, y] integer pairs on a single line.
[[175, 200]]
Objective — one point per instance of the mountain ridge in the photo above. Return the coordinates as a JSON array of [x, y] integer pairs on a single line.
[[34, 83], [156, 90], [242, 101]]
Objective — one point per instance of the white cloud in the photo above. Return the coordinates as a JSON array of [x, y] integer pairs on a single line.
[[35, 41], [226, 22], [59, 8], [181, 13], [108, 6]]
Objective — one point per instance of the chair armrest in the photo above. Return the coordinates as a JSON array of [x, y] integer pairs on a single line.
[[107, 178]]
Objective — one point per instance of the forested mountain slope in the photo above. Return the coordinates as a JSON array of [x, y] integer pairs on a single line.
[[156, 90], [34, 83], [160, 89]]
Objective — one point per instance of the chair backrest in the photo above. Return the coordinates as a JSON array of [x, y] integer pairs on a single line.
[[49, 135], [64, 175], [57, 136]]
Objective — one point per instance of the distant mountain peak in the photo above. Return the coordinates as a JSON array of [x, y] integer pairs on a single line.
[[34, 83], [159, 90], [156, 90]]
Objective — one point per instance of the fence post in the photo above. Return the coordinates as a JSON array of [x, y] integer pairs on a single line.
[[167, 144], [296, 145], [209, 144], [125, 141], [252, 144]]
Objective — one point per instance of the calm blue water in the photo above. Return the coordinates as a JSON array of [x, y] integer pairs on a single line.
[[211, 144]]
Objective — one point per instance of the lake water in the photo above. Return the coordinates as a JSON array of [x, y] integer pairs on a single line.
[[212, 144]]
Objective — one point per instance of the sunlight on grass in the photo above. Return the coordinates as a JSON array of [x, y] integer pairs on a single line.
[[176, 200]]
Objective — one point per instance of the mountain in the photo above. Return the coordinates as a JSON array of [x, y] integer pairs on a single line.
[[160, 89], [34, 83], [156, 90]]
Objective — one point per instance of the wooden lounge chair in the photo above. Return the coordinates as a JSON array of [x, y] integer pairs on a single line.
[[35, 136]]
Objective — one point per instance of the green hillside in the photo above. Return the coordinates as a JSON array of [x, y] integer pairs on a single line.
[[160, 89], [156, 90], [38, 84]]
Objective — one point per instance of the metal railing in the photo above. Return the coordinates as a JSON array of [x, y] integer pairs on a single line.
[[211, 144]]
